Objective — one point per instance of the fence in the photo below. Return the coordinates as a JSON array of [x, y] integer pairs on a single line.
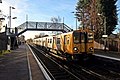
[[111, 44]]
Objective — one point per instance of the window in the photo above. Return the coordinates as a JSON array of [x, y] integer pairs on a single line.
[[76, 37], [50, 40], [58, 40], [65, 39], [90, 37], [83, 37], [68, 39]]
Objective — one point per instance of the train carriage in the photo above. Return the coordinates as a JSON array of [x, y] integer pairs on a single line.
[[72, 45], [75, 43]]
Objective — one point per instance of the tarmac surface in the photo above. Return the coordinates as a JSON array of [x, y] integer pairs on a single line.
[[19, 65]]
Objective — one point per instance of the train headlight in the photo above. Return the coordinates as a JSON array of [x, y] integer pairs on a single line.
[[75, 48], [91, 48]]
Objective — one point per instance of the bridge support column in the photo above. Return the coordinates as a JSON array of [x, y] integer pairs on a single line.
[[16, 31]]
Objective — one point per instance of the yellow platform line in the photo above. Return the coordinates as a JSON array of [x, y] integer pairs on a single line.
[[5, 52]]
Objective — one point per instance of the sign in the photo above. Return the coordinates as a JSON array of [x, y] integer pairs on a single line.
[[0, 1], [8, 47], [104, 36]]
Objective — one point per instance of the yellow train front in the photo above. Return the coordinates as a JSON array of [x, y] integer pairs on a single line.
[[75, 45]]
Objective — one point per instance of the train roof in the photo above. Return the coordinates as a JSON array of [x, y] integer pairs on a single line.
[[81, 30]]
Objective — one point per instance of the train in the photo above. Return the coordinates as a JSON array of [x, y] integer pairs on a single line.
[[74, 45]]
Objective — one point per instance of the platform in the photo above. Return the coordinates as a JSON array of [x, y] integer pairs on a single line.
[[19, 65], [108, 54]]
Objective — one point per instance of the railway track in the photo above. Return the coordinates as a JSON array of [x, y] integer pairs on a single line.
[[81, 73], [106, 67], [55, 71], [103, 69], [99, 69]]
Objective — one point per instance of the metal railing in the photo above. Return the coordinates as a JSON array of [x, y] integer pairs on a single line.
[[43, 26]]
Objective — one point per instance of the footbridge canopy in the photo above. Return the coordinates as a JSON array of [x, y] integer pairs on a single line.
[[42, 26]]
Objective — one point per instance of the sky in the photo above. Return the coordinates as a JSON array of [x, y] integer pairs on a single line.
[[42, 11], [118, 26]]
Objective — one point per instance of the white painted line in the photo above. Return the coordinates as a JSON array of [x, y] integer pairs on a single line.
[[40, 65], [30, 74], [107, 57]]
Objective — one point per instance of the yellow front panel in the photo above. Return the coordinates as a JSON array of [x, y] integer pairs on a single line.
[[67, 46], [90, 45], [79, 48], [82, 47], [67, 43], [70, 44]]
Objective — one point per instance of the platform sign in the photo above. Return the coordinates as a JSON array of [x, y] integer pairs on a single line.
[[104, 36], [8, 31], [0, 1], [8, 47]]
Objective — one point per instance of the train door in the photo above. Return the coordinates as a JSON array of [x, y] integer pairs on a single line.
[[65, 43], [46, 44], [67, 46], [53, 43], [83, 42], [58, 43]]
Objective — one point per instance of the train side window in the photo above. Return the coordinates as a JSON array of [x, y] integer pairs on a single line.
[[68, 40], [65, 39], [37, 41], [50, 40], [58, 40], [40, 41]]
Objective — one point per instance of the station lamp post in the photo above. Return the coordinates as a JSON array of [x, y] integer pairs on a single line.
[[81, 17], [76, 18], [105, 34], [8, 31], [76, 22], [10, 8], [0, 1]]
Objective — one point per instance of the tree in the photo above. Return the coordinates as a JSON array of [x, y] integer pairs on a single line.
[[82, 12], [90, 10], [30, 40], [55, 20], [109, 12]]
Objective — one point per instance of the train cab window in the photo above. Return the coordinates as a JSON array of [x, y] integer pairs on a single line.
[[90, 37], [83, 37], [76, 37]]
